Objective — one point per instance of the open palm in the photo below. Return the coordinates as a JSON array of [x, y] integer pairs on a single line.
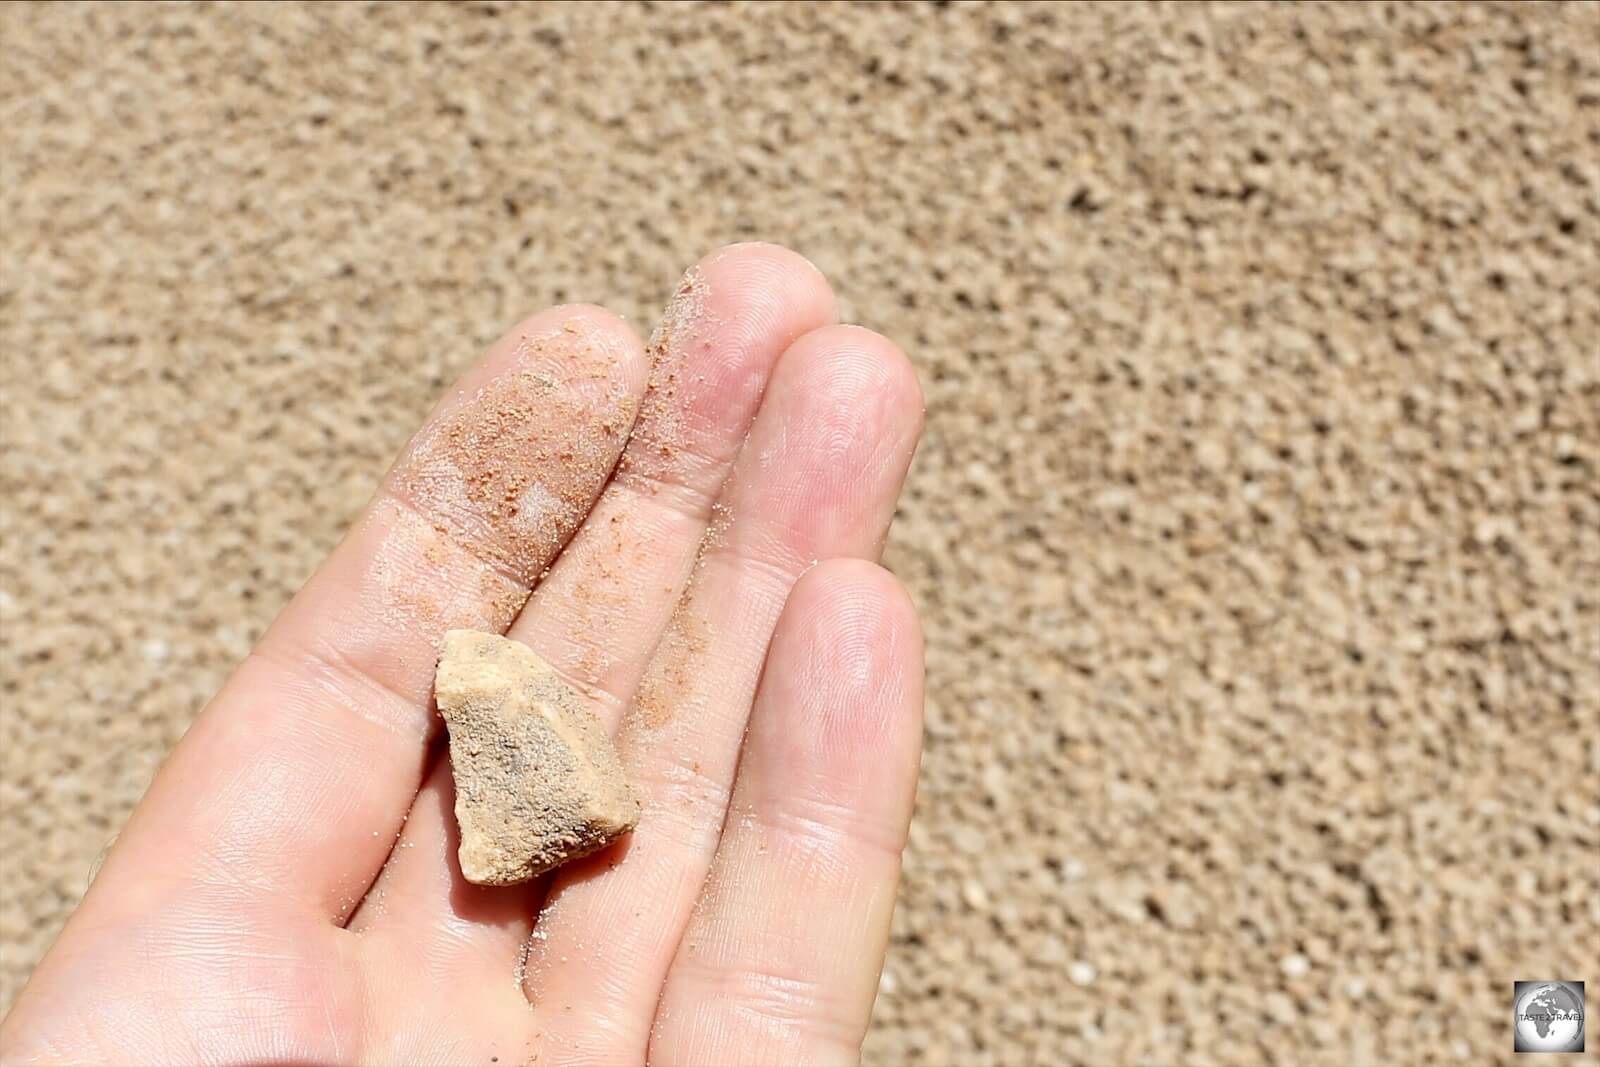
[[288, 890]]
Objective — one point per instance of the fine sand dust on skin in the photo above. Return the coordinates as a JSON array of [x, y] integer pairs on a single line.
[[511, 471], [427, 604], [668, 685], [655, 446], [608, 556], [654, 456], [604, 592]]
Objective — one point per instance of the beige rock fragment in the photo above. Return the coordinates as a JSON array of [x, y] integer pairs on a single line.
[[537, 780]]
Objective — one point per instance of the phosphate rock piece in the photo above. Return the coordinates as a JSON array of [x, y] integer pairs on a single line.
[[537, 780]]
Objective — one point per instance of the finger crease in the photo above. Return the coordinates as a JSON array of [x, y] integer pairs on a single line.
[[479, 554]]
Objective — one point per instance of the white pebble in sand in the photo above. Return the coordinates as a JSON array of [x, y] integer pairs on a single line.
[[1082, 973], [1296, 965]]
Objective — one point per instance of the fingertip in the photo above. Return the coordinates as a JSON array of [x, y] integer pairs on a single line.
[[777, 292], [901, 385], [511, 460], [596, 336], [604, 322], [848, 661], [856, 600], [905, 385], [839, 426], [731, 317], [863, 370], [802, 279]]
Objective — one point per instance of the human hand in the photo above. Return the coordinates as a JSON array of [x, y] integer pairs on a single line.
[[288, 890]]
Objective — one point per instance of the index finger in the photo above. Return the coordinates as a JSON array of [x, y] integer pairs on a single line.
[[294, 781]]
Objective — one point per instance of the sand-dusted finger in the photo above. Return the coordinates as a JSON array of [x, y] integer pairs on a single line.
[[295, 781], [610, 596], [819, 813]]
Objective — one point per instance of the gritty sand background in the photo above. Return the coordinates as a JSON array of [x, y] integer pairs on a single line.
[[1256, 526]]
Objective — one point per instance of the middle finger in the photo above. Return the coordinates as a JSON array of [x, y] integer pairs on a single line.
[[817, 479]]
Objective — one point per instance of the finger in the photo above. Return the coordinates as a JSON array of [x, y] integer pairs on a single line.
[[818, 478], [610, 596], [292, 785], [435, 928], [599, 614], [780, 961]]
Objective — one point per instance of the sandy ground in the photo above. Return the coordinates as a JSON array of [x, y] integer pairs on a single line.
[[1257, 526]]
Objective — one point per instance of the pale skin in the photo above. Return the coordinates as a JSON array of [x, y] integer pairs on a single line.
[[288, 892]]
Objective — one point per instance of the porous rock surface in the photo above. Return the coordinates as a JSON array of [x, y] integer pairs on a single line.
[[537, 780]]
